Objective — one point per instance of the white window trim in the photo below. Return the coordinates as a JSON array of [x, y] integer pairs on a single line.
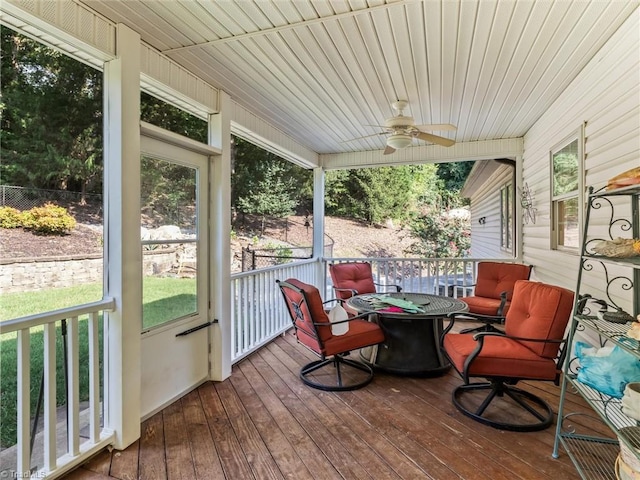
[[508, 186], [577, 134]]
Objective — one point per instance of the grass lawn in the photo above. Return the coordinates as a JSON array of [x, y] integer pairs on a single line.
[[164, 299]]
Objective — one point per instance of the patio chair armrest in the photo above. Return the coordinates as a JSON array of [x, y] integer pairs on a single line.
[[353, 291], [447, 329], [479, 337], [350, 319], [503, 302], [500, 319], [338, 300], [398, 288]]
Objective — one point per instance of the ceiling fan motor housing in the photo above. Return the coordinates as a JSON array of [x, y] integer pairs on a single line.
[[399, 121]]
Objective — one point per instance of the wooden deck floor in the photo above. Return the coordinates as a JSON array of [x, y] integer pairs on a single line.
[[263, 423]]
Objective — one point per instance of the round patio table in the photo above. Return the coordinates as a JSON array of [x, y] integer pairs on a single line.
[[412, 339]]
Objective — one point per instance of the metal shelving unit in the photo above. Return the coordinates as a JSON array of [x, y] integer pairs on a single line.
[[594, 455]]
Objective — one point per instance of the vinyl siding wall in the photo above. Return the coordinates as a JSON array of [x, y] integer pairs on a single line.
[[605, 97], [485, 202]]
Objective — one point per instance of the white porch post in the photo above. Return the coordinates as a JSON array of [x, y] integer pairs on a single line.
[[123, 254], [220, 238], [318, 223]]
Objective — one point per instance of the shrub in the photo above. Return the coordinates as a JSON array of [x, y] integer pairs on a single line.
[[439, 235], [49, 219], [10, 217]]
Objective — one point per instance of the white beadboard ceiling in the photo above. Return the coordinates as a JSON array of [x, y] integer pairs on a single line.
[[323, 70]]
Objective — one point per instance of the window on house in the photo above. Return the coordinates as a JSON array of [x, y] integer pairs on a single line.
[[506, 217], [566, 168]]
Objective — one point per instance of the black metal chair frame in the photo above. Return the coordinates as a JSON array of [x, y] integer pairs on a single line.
[[499, 386], [338, 360]]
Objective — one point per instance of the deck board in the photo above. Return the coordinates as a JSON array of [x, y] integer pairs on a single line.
[[264, 423], [152, 460]]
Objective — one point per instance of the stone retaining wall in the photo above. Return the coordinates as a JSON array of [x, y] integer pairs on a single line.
[[28, 275]]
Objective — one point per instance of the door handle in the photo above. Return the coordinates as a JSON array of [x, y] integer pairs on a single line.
[[194, 329]]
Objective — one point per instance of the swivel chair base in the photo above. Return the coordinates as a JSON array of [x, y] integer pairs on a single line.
[[355, 379], [540, 412]]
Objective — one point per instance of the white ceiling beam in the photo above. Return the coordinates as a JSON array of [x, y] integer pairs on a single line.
[[480, 150]]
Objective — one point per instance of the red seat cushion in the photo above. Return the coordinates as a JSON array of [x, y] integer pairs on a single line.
[[484, 305], [493, 278], [539, 311], [353, 275], [500, 357], [361, 333]]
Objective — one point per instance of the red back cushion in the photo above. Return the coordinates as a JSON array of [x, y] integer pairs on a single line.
[[305, 313], [539, 311], [353, 275], [493, 278]]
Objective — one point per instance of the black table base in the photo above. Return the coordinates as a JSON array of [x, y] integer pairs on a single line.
[[411, 347]]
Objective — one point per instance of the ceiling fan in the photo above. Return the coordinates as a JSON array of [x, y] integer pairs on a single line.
[[403, 130]]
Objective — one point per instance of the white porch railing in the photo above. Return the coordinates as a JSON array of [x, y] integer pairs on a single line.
[[257, 309], [259, 313], [51, 460]]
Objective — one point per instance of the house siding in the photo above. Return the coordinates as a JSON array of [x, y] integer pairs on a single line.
[[485, 237], [605, 98]]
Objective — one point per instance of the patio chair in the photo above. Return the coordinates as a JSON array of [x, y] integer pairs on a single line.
[[491, 298], [529, 349], [313, 330], [355, 278]]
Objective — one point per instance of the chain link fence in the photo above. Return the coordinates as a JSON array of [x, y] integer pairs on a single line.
[[23, 198]]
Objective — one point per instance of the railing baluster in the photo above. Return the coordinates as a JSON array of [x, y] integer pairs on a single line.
[[73, 387], [50, 413], [94, 378], [24, 410]]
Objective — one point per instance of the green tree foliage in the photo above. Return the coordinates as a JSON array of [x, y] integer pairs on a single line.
[[378, 194], [167, 190], [174, 119], [264, 184], [454, 174], [565, 169], [439, 234], [51, 118], [420, 196]]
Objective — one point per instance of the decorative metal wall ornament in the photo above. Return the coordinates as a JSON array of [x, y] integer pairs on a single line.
[[526, 201]]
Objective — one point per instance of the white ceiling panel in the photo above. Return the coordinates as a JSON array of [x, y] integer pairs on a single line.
[[325, 71]]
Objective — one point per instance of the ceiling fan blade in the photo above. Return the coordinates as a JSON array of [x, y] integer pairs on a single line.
[[388, 150], [439, 127], [366, 136], [445, 142]]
